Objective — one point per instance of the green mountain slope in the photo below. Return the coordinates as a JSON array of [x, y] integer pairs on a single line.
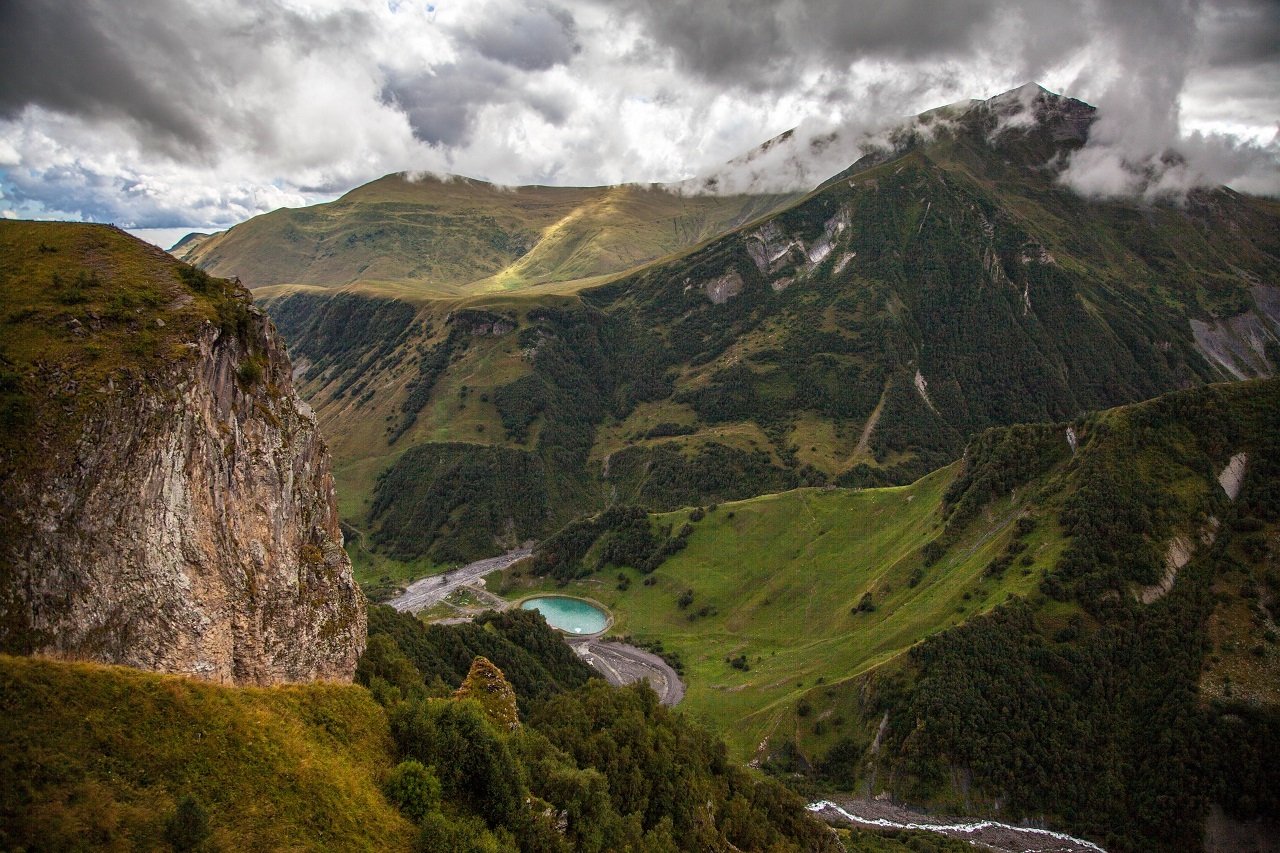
[[1086, 634], [99, 757], [857, 337], [423, 236], [779, 579]]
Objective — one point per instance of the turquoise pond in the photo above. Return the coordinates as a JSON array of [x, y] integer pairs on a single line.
[[569, 614]]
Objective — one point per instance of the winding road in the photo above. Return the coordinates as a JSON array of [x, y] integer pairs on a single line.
[[423, 593], [621, 664]]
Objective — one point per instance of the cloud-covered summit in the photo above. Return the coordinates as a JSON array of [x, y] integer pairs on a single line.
[[199, 114]]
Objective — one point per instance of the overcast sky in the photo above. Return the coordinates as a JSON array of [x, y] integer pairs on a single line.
[[197, 114]]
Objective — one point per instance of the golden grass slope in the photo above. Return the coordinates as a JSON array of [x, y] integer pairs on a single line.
[[453, 236], [97, 757]]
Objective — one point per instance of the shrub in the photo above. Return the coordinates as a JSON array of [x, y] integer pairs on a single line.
[[414, 788], [249, 374], [466, 835], [473, 763]]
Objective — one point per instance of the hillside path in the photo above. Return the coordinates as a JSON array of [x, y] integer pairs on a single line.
[[864, 441], [621, 664], [427, 591]]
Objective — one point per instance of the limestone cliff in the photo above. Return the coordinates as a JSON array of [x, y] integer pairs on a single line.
[[167, 503]]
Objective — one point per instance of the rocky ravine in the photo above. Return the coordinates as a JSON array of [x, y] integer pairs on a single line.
[[191, 527]]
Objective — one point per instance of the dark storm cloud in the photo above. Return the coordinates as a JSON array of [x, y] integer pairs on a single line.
[[60, 56], [762, 43], [156, 64], [1240, 33], [538, 37], [441, 103]]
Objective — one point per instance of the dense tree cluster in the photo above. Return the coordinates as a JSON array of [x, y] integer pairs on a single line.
[[592, 768], [662, 478], [620, 536], [354, 336], [455, 502]]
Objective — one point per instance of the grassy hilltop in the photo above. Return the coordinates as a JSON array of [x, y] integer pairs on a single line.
[[86, 305], [423, 237]]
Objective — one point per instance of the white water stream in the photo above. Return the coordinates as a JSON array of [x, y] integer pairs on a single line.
[[956, 828]]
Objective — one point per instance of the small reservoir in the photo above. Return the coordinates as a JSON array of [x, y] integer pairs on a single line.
[[572, 615]]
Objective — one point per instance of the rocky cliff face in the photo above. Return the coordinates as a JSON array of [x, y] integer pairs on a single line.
[[183, 517]]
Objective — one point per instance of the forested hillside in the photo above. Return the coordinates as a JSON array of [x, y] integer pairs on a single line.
[[1077, 623], [943, 285], [1123, 698]]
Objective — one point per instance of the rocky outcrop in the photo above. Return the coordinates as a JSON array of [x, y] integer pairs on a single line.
[[185, 522], [721, 290], [486, 684], [1182, 548], [1239, 345]]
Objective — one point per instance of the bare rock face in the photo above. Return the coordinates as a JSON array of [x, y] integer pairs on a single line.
[[190, 527]]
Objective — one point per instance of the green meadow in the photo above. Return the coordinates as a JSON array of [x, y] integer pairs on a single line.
[[776, 584]]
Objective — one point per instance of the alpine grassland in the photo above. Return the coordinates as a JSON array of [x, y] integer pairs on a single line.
[[805, 590], [101, 757], [424, 236]]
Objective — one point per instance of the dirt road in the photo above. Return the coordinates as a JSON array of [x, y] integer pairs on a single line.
[[620, 664], [423, 593]]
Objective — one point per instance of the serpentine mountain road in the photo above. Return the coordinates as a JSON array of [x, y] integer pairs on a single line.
[[423, 593], [621, 664]]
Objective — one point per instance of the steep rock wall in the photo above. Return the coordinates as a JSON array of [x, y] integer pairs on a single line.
[[190, 528]]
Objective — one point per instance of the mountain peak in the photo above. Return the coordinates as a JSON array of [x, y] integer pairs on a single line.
[[1032, 105], [1022, 94]]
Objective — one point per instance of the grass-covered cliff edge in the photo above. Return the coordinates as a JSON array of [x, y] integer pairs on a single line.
[[95, 757], [168, 502]]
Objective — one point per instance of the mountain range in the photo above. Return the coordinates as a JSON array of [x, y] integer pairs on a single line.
[[935, 481], [857, 336]]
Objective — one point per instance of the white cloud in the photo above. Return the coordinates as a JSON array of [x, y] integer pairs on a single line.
[[210, 112]]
